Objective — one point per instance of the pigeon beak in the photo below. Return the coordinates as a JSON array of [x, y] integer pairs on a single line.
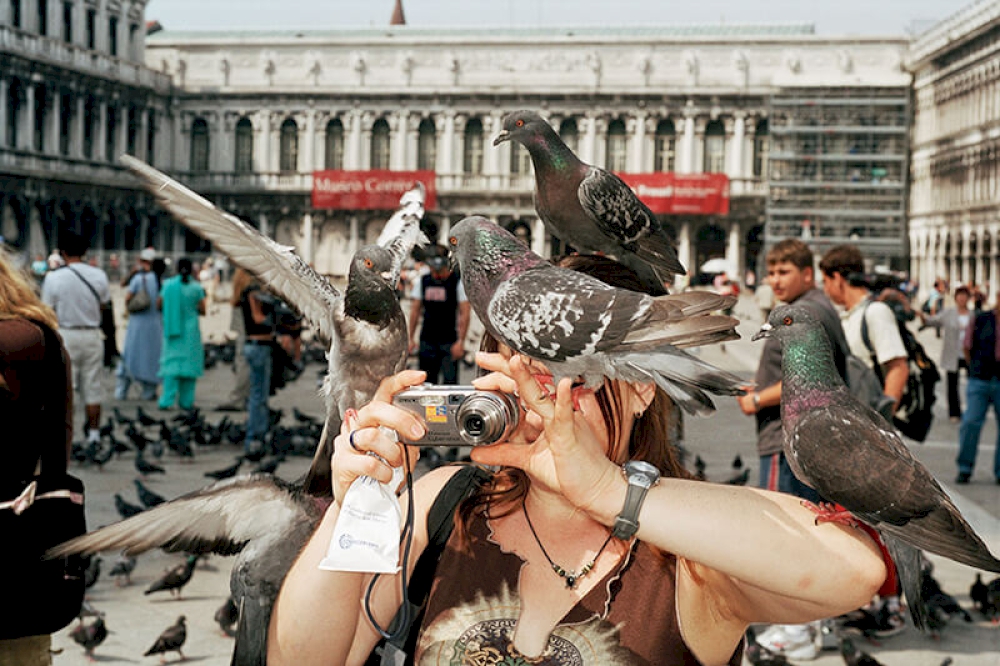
[[501, 137], [764, 332], [387, 276]]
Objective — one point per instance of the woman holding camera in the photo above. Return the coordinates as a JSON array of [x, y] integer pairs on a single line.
[[562, 558]]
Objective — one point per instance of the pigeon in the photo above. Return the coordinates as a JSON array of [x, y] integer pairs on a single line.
[[739, 478], [365, 326], [699, 468], [121, 418], [123, 570], [270, 466], [171, 640], [148, 498], [92, 572], [852, 457], [938, 601], [145, 419], [979, 594], [174, 579], [578, 325], [992, 611], [227, 616], [260, 518], [126, 510], [90, 635], [145, 467], [854, 656], [226, 472], [758, 655], [590, 208]]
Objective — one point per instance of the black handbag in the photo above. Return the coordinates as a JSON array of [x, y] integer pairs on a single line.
[[41, 596], [107, 324]]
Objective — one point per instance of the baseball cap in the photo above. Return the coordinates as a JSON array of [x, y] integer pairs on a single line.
[[148, 254]]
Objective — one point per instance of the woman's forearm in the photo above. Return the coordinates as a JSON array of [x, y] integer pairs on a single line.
[[314, 621]]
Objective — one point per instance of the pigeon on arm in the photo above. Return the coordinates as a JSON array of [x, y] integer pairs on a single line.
[[579, 326], [852, 456], [365, 326], [590, 208]]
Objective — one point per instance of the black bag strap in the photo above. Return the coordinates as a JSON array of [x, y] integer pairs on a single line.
[[868, 342], [53, 453], [440, 525], [100, 303]]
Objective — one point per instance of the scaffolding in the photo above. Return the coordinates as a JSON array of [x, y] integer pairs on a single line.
[[838, 170]]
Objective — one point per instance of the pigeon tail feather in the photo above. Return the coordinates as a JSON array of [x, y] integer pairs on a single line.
[[945, 533], [908, 567], [251, 634], [684, 377]]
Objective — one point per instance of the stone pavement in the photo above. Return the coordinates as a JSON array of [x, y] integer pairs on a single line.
[[136, 620]]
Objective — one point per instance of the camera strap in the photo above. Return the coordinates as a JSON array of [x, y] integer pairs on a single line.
[[440, 524]]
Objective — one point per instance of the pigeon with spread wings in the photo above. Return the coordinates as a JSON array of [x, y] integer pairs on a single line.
[[365, 326]]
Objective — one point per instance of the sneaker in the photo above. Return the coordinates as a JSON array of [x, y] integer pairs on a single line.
[[795, 641], [963, 478]]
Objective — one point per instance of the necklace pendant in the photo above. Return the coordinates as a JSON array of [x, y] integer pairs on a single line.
[[571, 582]]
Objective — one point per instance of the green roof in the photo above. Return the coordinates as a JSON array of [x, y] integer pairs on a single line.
[[707, 31]]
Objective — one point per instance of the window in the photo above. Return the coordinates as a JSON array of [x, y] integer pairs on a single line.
[[617, 154], [43, 17], [334, 144], [13, 101], [288, 153], [761, 146], [16, 19], [199, 145], [380, 144], [132, 133], [91, 29], [38, 133], [715, 148], [110, 133], [520, 159], [65, 120], [113, 35], [67, 21], [472, 153], [570, 134], [665, 146], [244, 146], [151, 138], [426, 145]]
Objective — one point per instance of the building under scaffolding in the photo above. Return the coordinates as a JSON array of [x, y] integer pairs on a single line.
[[838, 165]]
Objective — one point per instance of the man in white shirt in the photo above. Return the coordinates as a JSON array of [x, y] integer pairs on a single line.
[[843, 281]]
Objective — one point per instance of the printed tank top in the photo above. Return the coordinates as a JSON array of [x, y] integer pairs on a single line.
[[629, 618]]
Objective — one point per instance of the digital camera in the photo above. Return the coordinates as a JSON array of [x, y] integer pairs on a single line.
[[460, 415]]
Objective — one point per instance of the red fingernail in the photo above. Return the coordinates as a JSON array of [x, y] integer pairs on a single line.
[[351, 414]]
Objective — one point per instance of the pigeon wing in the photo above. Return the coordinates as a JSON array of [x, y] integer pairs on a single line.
[[275, 265], [402, 232], [555, 314], [621, 216], [220, 518]]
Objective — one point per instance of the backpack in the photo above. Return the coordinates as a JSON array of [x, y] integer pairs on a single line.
[[914, 416], [866, 386]]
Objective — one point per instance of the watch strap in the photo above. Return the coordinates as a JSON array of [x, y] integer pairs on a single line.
[[627, 522]]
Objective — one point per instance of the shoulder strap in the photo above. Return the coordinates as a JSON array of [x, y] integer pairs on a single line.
[[89, 286], [864, 328], [440, 525], [53, 454]]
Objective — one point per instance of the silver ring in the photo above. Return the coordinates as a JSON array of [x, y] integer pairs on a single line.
[[350, 440]]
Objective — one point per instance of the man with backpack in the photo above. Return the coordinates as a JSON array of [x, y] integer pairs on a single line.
[[983, 389]]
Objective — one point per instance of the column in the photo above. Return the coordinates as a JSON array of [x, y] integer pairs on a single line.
[[122, 142], [307, 238], [637, 151], [261, 126], [354, 244], [264, 227], [446, 155], [588, 150], [698, 146], [684, 247], [182, 133], [55, 116], [365, 121], [737, 146], [78, 127], [685, 160], [220, 152], [352, 156], [398, 156], [141, 130], [491, 156], [307, 144], [273, 141], [538, 237], [733, 254], [444, 230], [319, 157], [4, 92], [26, 132]]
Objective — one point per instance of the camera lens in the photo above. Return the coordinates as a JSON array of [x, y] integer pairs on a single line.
[[485, 418], [474, 425]]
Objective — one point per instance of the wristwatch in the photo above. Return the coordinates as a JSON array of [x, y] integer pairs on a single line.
[[641, 476]]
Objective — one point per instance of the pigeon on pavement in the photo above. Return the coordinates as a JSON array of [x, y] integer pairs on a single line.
[[263, 519], [851, 456], [226, 472], [122, 569], [125, 509], [148, 498], [590, 208], [90, 635], [227, 616], [365, 326], [171, 640], [145, 467], [579, 326], [174, 579], [854, 656], [979, 594]]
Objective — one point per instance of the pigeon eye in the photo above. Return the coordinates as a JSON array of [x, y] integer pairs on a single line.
[[453, 241], [519, 123], [787, 321], [369, 263]]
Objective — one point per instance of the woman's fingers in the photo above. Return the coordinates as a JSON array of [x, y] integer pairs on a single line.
[[532, 393], [508, 454], [393, 384], [495, 381]]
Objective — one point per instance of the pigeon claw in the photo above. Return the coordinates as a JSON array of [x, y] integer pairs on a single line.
[[827, 512]]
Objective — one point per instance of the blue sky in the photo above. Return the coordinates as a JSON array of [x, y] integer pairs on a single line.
[[831, 17]]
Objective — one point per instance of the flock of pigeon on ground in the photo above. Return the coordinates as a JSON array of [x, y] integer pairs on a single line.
[[578, 327]]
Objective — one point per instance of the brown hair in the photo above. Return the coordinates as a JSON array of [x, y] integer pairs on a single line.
[[844, 259], [793, 251], [241, 280], [18, 299], [649, 439]]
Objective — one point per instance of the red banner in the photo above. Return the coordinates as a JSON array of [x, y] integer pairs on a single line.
[[681, 193], [368, 190]]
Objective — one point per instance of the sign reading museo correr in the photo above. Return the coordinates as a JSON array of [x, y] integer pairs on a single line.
[[368, 190], [681, 193]]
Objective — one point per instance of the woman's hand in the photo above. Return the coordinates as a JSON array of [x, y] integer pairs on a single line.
[[360, 434], [554, 444]]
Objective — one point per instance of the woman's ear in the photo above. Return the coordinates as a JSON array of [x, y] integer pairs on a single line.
[[640, 397]]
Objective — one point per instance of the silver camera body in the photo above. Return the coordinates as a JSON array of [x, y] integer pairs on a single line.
[[460, 415]]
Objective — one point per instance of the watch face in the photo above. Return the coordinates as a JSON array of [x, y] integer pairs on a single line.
[[641, 472]]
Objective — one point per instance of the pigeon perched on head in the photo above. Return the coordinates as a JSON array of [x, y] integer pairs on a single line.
[[365, 326], [579, 326], [171, 640], [263, 519], [590, 208], [851, 456], [90, 635]]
